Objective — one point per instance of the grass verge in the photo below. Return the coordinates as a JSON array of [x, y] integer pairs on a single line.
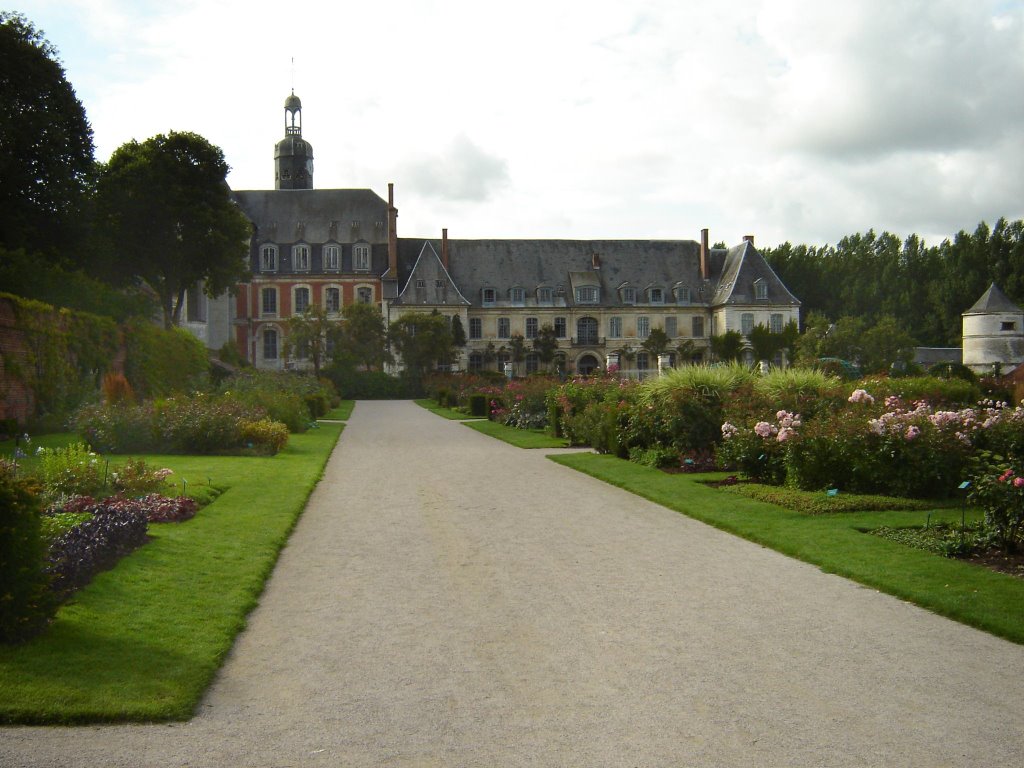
[[989, 601], [143, 640], [342, 413], [521, 438], [447, 413]]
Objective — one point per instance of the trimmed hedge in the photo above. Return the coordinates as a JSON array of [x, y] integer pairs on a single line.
[[159, 362]]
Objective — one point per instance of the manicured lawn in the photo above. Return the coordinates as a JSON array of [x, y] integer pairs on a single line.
[[143, 641], [521, 438], [342, 413], [836, 543], [448, 413]]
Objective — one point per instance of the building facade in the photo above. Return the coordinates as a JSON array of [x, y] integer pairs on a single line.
[[601, 298]]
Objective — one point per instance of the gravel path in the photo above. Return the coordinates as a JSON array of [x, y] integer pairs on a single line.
[[449, 600]]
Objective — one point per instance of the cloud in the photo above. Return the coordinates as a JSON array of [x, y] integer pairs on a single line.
[[461, 172]]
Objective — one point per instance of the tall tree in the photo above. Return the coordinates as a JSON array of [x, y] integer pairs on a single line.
[[363, 338], [656, 343], [423, 341], [166, 206], [727, 347], [517, 347], [545, 344], [311, 336], [46, 147]]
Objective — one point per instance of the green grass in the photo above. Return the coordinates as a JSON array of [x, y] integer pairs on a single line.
[[990, 601], [448, 413], [820, 503], [342, 413], [521, 438], [143, 641]]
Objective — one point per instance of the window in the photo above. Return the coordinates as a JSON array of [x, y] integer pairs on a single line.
[[760, 289], [588, 294], [532, 362], [629, 295], [301, 303], [268, 258], [361, 258], [544, 296], [364, 295], [1007, 326], [671, 327], [746, 323], [332, 257], [476, 361], [656, 296], [269, 344], [683, 294], [643, 327], [488, 296], [518, 295], [698, 327], [268, 299], [476, 328], [531, 327], [439, 284], [776, 324], [421, 283], [586, 330], [332, 299], [560, 331], [615, 327], [300, 258], [504, 328], [643, 361]]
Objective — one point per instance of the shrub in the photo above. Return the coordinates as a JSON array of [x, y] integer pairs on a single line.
[[95, 545], [119, 428], [156, 508], [116, 389], [999, 490], [134, 478], [25, 602], [264, 436], [161, 362], [478, 405], [70, 471]]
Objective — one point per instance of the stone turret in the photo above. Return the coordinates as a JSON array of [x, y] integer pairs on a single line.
[[293, 155], [993, 331]]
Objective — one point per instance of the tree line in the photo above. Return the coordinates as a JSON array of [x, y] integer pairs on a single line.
[[918, 289]]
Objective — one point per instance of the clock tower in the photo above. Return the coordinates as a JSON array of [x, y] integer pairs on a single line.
[[293, 155]]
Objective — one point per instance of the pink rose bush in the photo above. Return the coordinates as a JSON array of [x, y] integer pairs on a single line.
[[874, 447]]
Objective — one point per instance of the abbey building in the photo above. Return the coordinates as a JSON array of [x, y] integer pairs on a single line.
[[602, 298]]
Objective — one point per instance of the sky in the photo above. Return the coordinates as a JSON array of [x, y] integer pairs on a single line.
[[790, 120]]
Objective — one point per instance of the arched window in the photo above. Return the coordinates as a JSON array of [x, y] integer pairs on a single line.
[[586, 330], [586, 365], [300, 257], [332, 258], [270, 344]]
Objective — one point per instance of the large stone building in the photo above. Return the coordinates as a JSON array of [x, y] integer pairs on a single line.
[[602, 298]]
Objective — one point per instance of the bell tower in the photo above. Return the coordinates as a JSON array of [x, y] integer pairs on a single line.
[[293, 155]]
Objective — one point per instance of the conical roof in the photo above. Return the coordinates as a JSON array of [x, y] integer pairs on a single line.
[[992, 301]]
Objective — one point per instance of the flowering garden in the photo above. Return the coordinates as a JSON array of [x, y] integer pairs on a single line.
[[921, 438]]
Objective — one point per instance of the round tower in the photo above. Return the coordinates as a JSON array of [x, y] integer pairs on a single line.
[[993, 331], [293, 155]]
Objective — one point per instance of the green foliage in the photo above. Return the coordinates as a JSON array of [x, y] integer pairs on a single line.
[[819, 503], [363, 338], [163, 362], [545, 344], [46, 163], [25, 601], [71, 471], [765, 343], [370, 385], [656, 343], [709, 381], [423, 341], [953, 371], [458, 332], [167, 208], [727, 347], [997, 486], [310, 335], [478, 405], [264, 437], [874, 346]]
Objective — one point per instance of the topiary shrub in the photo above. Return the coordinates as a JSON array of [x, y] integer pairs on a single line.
[[478, 405], [264, 436], [26, 604]]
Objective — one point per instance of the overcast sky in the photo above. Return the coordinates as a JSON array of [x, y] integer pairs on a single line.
[[787, 119]]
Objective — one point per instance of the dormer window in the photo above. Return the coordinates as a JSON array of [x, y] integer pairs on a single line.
[[683, 295], [300, 258], [488, 296], [361, 258], [588, 294], [332, 257], [760, 289], [421, 283], [268, 258], [517, 295], [656, 296], [629, 295], [544, 296]]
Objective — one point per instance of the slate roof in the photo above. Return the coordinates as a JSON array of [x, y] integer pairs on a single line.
[[293, 215], [429, 282], [993, 301], [563, 265]]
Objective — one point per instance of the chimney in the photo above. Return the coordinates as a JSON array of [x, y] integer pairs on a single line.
[[749, 239], [704, 271], [392, 233], [444, 248]]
